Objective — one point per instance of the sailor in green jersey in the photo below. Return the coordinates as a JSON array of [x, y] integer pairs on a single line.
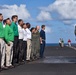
[[9, 38], [2, 44], [14, 26]]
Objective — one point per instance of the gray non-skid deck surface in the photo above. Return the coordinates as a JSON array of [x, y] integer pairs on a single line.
[[57, 51], [57, 61]]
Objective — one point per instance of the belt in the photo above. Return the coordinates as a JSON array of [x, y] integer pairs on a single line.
[[12, 41], [2, 38], [43, 39], [29, 39]]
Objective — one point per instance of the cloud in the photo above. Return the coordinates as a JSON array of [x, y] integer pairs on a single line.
[[44, 16], [74, 24], [65, 9], [2, 7], [67, 22], [21, 11], [48, 29]]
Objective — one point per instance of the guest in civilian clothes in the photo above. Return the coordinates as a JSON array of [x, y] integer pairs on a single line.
[[24, 41], [20, 47], [42, 39], [9, 38], [14, 26], [28, 42]]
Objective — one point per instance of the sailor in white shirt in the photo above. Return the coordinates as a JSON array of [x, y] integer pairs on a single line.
[[28, 33], [20, 31], [60, 42], [28, 42], [24, 42]]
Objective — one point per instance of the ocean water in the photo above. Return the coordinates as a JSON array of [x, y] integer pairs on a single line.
[[57, 44], [52, 44]]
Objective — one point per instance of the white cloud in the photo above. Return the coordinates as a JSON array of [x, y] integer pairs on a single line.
[[48, 29], [67, 22], [44, 16], [10, 10], [74, 25], [66, 9]]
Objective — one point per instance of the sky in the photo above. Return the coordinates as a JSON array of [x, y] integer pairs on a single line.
[[59, 16]]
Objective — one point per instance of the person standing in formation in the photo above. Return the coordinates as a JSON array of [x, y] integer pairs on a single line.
[[33, 49], [14, 26], [2, 44], [42, 39], [28, 42], [20, 47], [9, 38], [24, 42], [37, 42]]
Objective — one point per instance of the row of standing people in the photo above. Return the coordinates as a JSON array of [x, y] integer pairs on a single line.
[[18, 44]]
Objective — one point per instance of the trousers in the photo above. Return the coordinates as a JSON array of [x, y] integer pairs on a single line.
[[42, 47], [24, 49], [28, 49], [15, 49], [9, 54], [2, 52], [20, 50]]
